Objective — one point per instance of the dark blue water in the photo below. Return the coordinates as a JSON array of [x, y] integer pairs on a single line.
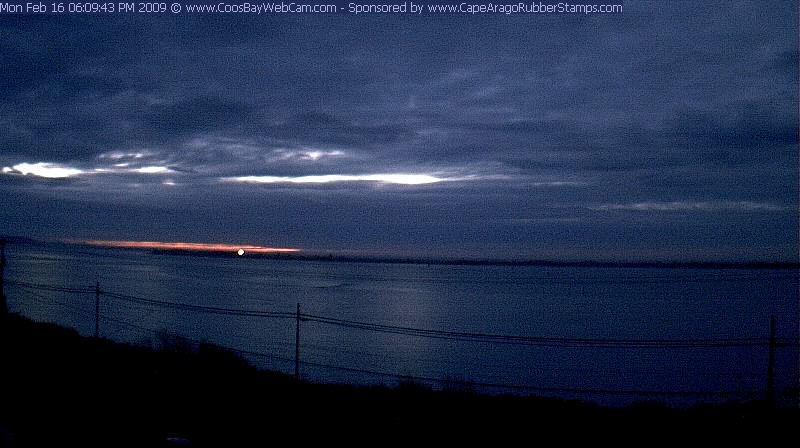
[[572, 302]]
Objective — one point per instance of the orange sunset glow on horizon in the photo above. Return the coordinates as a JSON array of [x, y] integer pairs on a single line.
[[239, 249]]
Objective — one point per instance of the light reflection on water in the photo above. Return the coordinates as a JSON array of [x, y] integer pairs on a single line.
[[623, 303]]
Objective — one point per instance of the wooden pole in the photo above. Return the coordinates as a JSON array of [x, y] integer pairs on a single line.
[[771, 366], [97, 310], [3, 304], [297, 345]]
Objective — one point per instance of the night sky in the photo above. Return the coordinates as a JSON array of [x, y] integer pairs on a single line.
[[669, 132]]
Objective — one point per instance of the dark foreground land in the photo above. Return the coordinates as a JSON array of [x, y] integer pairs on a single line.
[[60, 389]]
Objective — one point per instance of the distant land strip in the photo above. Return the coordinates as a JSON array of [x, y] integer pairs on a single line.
[[493, 262], [294, 254]]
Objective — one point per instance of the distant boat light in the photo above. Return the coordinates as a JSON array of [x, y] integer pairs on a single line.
[[240, 252]]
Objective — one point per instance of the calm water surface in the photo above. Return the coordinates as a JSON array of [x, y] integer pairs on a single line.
[[560, 302]]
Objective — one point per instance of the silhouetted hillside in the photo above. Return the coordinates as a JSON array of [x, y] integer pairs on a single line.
[[61, 389]]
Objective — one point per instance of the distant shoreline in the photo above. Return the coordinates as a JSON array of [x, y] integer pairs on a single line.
[[490, 262], [373, 259]]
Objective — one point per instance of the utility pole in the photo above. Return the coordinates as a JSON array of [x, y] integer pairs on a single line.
[[297, 345], [3, 304], [771, 366], [97, 310]]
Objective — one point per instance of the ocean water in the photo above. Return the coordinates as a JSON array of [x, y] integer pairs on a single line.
[[551, 302]]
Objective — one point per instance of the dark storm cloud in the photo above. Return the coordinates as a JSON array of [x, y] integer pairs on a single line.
[[196, 115], [532, 131]]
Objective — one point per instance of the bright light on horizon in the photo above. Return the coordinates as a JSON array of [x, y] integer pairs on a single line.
[[203, 247]]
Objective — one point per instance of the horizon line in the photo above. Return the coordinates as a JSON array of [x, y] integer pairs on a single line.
[[368, 255]]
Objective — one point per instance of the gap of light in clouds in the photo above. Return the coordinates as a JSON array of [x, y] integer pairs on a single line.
[[59, 171], [200, 247], [41, 169], [402, 179]]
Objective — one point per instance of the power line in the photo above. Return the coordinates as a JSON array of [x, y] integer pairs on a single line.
[[440, 380], [131, 325], [540, 341], [123, 323], [489, 385], [442, 334], [48, 300], [50, 287], [201, 308]]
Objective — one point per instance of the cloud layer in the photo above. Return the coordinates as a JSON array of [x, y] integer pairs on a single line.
[[662, 132]]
